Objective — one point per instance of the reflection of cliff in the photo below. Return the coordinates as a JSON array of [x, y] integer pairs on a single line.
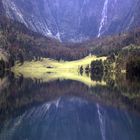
[[22, 93], [25, 92], [73, 118]]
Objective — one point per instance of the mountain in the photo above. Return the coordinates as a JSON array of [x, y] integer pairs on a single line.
[[1, 8], [110, 44], [18, 40], [75, 20]]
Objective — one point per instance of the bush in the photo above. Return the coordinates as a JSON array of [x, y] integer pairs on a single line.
[[97, 70]]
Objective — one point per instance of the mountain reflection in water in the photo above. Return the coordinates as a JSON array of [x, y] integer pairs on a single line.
[[73, 118], [34, 109]]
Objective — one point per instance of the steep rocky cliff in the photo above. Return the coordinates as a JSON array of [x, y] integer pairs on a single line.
[[75, 20], [1, 8]]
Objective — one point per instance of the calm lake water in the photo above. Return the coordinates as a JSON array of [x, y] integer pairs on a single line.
[[69, 109]]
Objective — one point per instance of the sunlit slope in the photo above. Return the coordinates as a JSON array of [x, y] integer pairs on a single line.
[[49, 70]]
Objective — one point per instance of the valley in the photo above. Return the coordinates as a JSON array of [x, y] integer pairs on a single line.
[[69, 69]]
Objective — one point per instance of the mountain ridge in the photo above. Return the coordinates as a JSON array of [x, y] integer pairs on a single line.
[[75, 21], [19, 41]]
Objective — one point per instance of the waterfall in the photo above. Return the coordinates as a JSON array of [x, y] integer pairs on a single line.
[[102, 121], [104, 18]]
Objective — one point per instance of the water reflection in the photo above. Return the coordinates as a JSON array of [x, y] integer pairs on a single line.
[[73, 118], [65, 107], [18, 92]]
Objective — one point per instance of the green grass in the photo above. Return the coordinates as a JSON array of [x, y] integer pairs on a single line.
[[49, 69], [42, 66]]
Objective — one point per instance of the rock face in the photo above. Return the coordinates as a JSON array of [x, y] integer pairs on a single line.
[[1, 8], [75, 20]]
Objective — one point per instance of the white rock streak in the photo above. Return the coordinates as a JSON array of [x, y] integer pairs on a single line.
[[104, 17], [101, 121], [10, 6]]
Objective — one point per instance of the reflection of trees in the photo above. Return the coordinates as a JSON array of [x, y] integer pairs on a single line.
[[129, 88], [133, 69], [108, 78], [97, 76], [97, 70], [22, 93], [2, 65], [2, 73], [81, 70]]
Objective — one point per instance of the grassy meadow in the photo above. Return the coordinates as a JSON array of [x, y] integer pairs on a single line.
[[49, 69]]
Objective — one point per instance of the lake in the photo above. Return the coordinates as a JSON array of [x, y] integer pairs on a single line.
[[69, 108]]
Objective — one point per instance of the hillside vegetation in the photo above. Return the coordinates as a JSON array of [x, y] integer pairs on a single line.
[[110, 44], [17, 40]]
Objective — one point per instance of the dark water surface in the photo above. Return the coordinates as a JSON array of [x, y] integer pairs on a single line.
[[69, 110]]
